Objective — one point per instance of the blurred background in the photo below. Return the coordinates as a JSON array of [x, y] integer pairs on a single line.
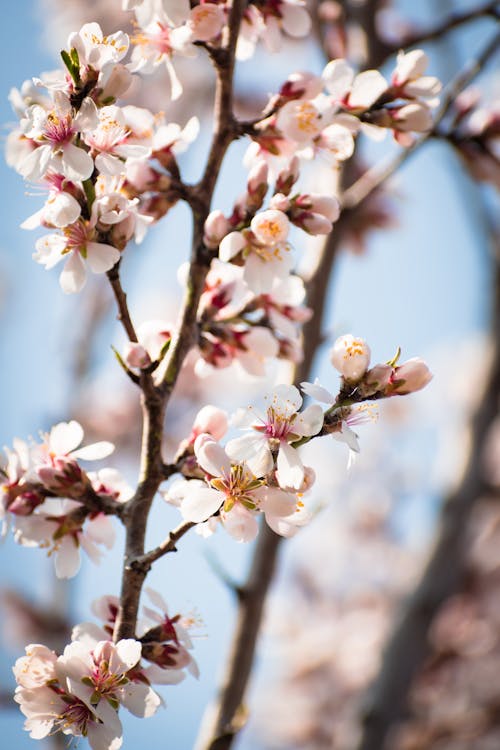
[[416, 269]]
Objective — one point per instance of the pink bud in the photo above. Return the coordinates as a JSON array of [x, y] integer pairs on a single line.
[[321, 204], [376, 380], [279, 202], [135, 355], [257, 177], [288, 177], [351, 357], [409, 377], [210, 420], [411, 117], [216, 227], [313, 223]]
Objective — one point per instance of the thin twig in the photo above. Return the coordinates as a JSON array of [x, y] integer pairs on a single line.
[[121, 300], [168, 545]]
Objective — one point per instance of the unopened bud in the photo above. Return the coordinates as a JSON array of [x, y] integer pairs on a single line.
[[135, 355]]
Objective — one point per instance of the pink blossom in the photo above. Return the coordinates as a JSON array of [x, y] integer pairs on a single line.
[[351, 357]]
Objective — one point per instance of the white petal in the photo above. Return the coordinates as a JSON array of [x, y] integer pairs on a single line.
[[201, 504], [65, 437], [129, 651], [315, 390], [95, 451], [231, 245], [310, 421], [241, 524], [367, 88], [77, 164], [140, 700], [67, 558], [338, 76], [101, 257], [212, 457], [290, 467], [74, 275], [295, 20], [275, 502]]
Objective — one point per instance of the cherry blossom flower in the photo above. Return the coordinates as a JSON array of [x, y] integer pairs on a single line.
[[264, 248], [351, 357], [348, 417], [409, 377], [96, 49], [77, 244], [53, 133], [168, 643], [409, 81], [79, 693], [281, 425], [109, 141], [232, 490]]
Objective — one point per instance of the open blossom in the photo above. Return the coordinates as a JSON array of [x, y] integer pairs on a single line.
[[53, 134], [264, 249], [79, 693], [351, 357], [232, 491], [77, 244], [280, 426], [96, 49], [250, 348], [409, 79], [167, 643], [109, 141], [353, 92], [348, 417]]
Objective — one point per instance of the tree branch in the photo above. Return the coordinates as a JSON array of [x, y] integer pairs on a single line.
[[156, 392], [121, 301]]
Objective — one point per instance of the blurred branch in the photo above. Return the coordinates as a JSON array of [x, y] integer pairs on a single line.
[[225, 717], [378, 174], [408, 644], [453, 21]]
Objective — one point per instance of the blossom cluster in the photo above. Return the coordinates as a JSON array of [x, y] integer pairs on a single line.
[[45, 496], [262, 471], [80, 692]]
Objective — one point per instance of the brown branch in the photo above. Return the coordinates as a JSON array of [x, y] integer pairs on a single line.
[[378, 174], [408, 646], [121, 301], [156, 392], [168, 545]]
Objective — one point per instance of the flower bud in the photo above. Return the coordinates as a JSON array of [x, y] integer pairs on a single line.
[[216, 227], [376, 380], [409, 377], [351, 357], [210, 420], [288, 177], [411, 117], [135, 355], [301, 86], [280, 202]]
